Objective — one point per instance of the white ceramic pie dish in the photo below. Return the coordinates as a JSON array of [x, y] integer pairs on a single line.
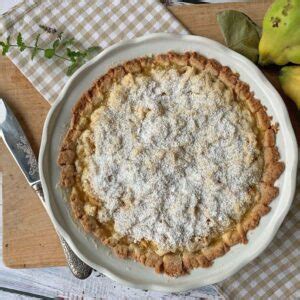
[[99, 257]]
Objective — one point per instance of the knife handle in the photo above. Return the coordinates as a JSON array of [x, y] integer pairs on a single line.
[[79, 269]]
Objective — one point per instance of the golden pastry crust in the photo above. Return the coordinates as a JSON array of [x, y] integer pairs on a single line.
[[173, 264]]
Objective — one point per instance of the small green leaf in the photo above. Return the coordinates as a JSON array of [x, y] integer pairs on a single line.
[[240, 33], [56, 44], [49, 53], [5, 49], [91, 51], [20, 42], [19, 39], [5, 45], [74, 55], [71, 54], [72, 68], [35, 49], [67, 42]]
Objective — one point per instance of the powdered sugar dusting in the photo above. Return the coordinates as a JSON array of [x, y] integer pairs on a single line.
[[174, 158]]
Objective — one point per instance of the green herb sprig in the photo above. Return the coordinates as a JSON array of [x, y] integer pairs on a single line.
[[61, 48]]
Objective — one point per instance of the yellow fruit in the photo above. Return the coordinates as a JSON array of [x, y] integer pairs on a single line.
[[290, 81], [280, 41]]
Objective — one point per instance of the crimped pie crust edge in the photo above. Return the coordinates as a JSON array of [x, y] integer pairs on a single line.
[[175, 264]]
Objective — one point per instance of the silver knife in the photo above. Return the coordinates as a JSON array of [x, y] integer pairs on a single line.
[[19, 147]]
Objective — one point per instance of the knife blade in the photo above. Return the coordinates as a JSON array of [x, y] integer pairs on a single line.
[[18, 145]]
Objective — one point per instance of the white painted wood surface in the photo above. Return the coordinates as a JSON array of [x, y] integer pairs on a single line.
[[59, 282]]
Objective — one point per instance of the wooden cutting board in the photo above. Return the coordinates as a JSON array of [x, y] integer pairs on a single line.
[[29, 239]]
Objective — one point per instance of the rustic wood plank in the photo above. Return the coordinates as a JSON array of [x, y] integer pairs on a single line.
[[201, 19], [31, 240], [28, 235]]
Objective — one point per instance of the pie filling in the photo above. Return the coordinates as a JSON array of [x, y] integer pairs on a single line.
[[168, 165], [171, 159]]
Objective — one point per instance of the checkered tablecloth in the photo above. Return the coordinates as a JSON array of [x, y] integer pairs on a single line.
[[276, 273], [91, 22]]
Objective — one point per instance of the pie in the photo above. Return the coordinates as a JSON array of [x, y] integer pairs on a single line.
[[170, 160]]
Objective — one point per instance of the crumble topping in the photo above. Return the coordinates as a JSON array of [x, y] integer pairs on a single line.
[[173, 158]]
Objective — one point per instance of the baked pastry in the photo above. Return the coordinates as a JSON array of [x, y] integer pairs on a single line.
[[170, 160]]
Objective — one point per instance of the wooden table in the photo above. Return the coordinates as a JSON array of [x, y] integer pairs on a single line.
[[28, 236]]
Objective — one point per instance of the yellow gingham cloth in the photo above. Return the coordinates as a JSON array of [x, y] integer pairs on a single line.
[[276, 272], [91, 22]]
